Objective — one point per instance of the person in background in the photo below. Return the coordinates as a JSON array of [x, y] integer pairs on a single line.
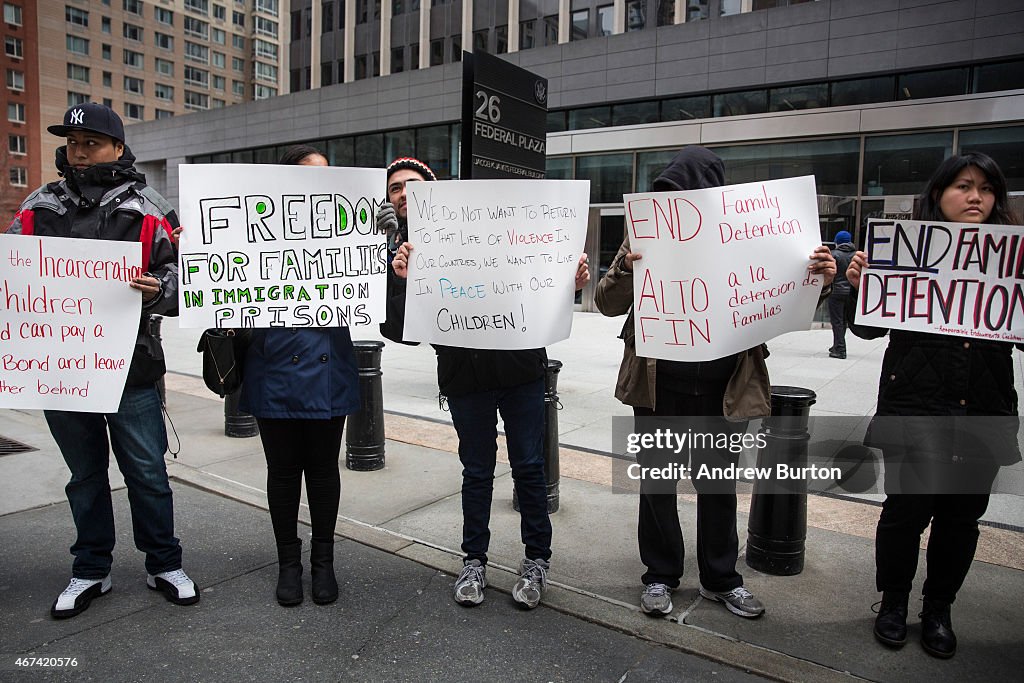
[[734, 386], [936, 475], [479, 384], [300, 384], [103, 197], [843, 254]]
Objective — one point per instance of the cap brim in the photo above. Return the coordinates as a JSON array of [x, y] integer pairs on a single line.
[[62, 131]]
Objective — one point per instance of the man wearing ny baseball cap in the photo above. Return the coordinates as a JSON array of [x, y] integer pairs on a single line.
[[103, 197]]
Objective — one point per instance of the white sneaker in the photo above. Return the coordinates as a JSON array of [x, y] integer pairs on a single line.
[[469, 587], [76, 597], [175, 585], [533, 579], [656, 599]]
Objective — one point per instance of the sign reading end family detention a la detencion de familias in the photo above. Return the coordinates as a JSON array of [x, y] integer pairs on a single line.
[[722, 269], [68, 322], [281, 246]]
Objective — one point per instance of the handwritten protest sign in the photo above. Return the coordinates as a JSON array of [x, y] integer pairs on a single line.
[[494, 261], [281, 246], [948, 278], [68, 322], [723, 269]]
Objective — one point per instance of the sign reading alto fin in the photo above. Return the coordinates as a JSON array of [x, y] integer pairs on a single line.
[[504, 119]]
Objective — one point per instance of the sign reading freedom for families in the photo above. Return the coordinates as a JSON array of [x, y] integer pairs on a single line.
[[68, 322], [281, 246], [723, 269], [494, 261], [948, 278]]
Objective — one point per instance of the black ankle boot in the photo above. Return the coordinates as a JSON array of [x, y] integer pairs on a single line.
[[289, 573], [891, 622], [321, 563], [937, 637]]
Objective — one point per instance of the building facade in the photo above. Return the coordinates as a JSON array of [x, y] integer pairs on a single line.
[[146, 59], [866, 95]]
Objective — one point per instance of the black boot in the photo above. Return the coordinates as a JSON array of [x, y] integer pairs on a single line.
[[321, 563], [937, 637], [289, 573], [891, 622]]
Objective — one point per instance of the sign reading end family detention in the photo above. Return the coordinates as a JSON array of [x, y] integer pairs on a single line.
[[722, 269], [281, 246], [68, 322], [947, 278], [494, 262]]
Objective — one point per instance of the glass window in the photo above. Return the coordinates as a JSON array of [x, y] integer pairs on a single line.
[[80, 46], [833, 163], [19, 176], [341, 152], [242, 157], [414, 56], [590, 117], [163, 15], [135, 7], [370, 151], [360, 67], [238, 19], [199, 6], [635, 15], [13, 47], [296, 24], [77, 72], [268, 6], [327, 17], [605, 20], [238, 88], [266, 26], [932, 84], [76, 98], [218, 83], [16, 112], [686, 108], [634, 112], [501, 39], [264, 48], [106, 52], [433, 147], [809, 96], [263, 92], [105, 24], [163, 92], [12, 14], [218, 36], [265, 155], [696, 10], [902, 164], [740, 103], [164, 67], [196, 100], [551, 29], [326, 74], [399, 143], [266, 72], [163, 114], [649, 166], [78, 17], [397, 60], [580, 23], [610, 176], [238, 65], [481, 39], [15, 79], [133, 112], [526, 35], [16, 144], [164, 41], [437, 51], [196, 27], [133, 58], [195, 52], [133, 85], [108, 79], [1005, 145], [1004, 76], [559, 168], [666, 12], [194, 76], [219, 60], [556, 121], [731, 7], [220, 12], [132, 32], [863, 91]]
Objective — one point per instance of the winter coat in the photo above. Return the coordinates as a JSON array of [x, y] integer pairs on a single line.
[[111, 201], [843, 254], [943, 376], [300, 373]]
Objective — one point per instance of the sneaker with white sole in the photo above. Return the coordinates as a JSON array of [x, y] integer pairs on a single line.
[[533, 578], [76, 597], [175, 585], [656, 599], [469, 587], [739, 601]]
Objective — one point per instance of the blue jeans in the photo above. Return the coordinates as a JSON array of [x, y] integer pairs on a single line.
[[139, 439], [476, 421]]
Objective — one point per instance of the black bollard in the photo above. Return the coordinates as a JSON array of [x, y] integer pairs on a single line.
[[155, 321], [364, 431], [236, 423], [777, 524], [551, 408]]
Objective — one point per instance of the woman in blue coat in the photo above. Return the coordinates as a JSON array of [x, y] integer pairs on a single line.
[[300, 384]]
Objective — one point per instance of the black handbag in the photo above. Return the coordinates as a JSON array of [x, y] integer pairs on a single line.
[[223, 359]]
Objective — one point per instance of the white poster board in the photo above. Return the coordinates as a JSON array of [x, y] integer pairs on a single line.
[[494, 261], [723, 269], [68, 322], [281, 246], [948, 278]]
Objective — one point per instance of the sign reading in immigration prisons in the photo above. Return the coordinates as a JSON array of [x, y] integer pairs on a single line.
[[723, 269], [948, 278], [494, 262], [68, 322], [281, 246]]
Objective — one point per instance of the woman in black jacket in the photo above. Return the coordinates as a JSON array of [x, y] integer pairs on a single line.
[[946, 421]]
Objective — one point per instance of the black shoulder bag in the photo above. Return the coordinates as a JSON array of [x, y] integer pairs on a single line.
[[223, 359]]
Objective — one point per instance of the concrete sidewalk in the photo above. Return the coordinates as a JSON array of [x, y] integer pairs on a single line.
[[396, 620]]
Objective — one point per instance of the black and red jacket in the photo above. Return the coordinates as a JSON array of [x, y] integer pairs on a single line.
[[112, 202]]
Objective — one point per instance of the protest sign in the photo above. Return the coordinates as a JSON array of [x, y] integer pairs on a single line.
[[68, 322], [281, 246], [494, 261], [947, 278], [723, 269]]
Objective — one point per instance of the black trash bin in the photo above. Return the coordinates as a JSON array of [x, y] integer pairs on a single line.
[[364, 431], [236, 423], [777, 524]]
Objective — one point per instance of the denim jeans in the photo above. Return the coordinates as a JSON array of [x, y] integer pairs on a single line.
[[139, 439], [476, 421]]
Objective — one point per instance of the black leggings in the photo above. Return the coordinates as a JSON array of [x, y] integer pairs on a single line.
[[294, 447]]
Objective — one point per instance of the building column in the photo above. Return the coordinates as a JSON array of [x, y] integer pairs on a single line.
[[563, 21], [619, 23], [424, 34], [513, 25], [467, 25], [680, 17], [350, 41], [317, 9], [385, 37]]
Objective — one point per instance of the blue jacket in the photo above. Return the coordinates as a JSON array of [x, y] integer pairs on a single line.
[[300, 373]]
